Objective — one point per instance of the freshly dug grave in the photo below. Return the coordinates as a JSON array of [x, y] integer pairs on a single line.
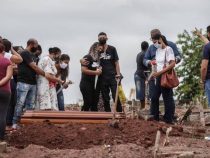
[[115, 151], [83, 136]]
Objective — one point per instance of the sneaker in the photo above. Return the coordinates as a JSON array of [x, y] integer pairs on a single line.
[[9, 128], [15, 127]]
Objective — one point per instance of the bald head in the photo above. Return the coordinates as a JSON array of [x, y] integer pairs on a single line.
[[32, 41], [32, 45]]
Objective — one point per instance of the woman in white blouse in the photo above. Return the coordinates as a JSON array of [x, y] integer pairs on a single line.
[[46, 86], [164, 54]]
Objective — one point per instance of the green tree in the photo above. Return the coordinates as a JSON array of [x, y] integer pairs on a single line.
[[189, 69]]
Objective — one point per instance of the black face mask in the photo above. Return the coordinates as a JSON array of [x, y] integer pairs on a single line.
[[33, 49], [102, 41]]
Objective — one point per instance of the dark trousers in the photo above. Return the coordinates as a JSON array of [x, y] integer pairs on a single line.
[[4, 103], [88, 92], [167, 94], [106, 86], [60, 98], [13, 100]]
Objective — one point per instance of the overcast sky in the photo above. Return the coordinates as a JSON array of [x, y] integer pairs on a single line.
[[73, 25]]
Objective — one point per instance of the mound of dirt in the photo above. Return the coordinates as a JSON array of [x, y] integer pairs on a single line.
[[83, 136], [116, 151]]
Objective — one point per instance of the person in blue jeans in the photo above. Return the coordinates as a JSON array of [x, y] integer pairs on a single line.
[[205, 67], [150, 56], [26, 81], [62, 66], [140, 75]]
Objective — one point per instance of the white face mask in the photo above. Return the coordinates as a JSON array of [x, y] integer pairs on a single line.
[[63, 65], [157, 45]]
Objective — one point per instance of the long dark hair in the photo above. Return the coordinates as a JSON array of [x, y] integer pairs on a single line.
[[159, 36], [64, 72]]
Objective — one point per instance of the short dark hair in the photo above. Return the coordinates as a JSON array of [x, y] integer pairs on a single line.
[[102, 33], [54, 50], [1, 47], [208, 29], [7, 44], [144, 45]]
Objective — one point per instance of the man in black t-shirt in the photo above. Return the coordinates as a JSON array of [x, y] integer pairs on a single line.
[[26, 80], [109, 61]]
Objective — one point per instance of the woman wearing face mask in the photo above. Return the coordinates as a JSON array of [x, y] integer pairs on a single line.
[[164, 54], [62, 72], [46, 86], [87, 83]]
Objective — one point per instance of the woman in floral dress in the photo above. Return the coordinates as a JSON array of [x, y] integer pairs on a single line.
[[46, 86]]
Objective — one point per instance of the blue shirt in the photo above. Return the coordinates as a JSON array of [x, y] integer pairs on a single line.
[[150, 54], [206, 55]]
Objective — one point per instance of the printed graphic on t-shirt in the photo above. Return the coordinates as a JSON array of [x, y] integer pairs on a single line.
[[105, 56], [95, 64]]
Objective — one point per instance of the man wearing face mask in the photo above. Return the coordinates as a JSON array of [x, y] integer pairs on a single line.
[[26, 80], [150, 54], [109, 62]]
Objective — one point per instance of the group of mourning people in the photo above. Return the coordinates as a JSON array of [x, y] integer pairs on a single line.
[[28, 81], [158, 54]]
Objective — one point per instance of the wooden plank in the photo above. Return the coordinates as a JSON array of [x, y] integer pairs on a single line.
[[166, 140], [157, 143], [62, 121], [65, 117], [71, 115]]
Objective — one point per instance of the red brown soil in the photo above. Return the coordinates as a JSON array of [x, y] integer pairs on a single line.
[[83, 136]]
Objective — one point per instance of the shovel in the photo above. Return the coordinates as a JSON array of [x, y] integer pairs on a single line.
[[114, 122], [60, 89]]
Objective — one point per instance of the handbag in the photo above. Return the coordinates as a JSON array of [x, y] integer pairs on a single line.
[[169, 79]]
